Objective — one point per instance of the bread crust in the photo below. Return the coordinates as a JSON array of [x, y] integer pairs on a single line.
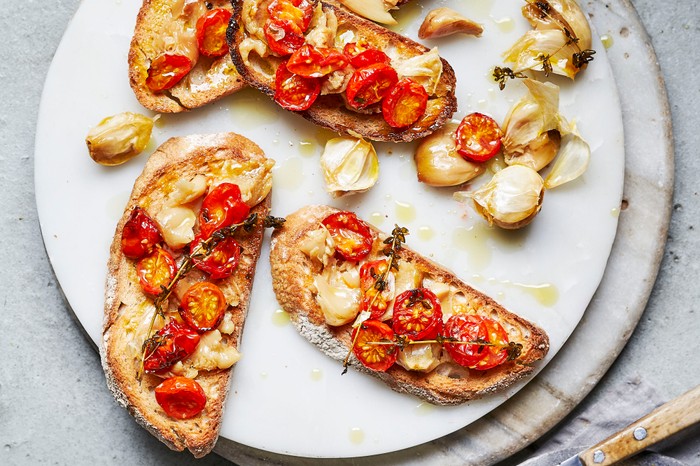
[[180, 157], [330, 110], [292, 281], [210, 79]]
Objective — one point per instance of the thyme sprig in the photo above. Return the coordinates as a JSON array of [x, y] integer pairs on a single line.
[[201, 251], [392, 247], [514, 349]]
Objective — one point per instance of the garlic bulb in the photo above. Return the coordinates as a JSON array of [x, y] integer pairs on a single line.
[[439, 164], [349, 165], [511, 199]]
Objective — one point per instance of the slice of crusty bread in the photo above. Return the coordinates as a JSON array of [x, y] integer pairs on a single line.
[[209, 80], [128, 310], [292, 280], [330, 110]]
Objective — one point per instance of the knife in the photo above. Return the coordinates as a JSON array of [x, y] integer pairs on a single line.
[[664, 421]]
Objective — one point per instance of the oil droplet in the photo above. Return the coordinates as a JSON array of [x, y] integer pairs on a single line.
[[496, 164], [307, 148], [406, 16], [357, 436], [505, 24], [424, 408], [288, 175], [250, 109], [376, 218], [480, 7], [323, 135], [316, 375], [426, 233], [263, 375], [116, 204], [615, 212], [607, 40], [546, 293], [280, 318], [405, 212], [473, 240]]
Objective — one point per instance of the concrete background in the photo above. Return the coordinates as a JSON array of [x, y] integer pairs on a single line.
[[53, 410]]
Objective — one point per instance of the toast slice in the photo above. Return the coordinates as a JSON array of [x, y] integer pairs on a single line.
[[302, 253], [332, 27], [169, 26], [177, 177]]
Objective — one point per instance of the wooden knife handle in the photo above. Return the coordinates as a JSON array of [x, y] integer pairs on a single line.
[[661, 423]]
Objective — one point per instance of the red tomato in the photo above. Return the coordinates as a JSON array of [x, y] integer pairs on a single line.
[[478, 137], [352, 237], [202, 306], [282, 38], [222, 207], [284, 29], [211, 32], [494, 356], [221, 261], [295, 92], [156, 271], [370, 84], [465, 327], [312, 62], [176, 341], [372, 300], [139, 235], [417, 314], [404, 104], [296, 12], [180, 397], [166, 70], [361, 55], [376, 357]]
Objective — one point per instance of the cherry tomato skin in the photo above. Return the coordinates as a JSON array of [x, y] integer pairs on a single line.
[[139, 235], [156, 271], [369, 272], [296, 12], [417, 314], [202, 306], [352, 237], [294, 92], [221, 261], [405, 103], [166, 70], [211, 32], [284, 29], [362, 56], [369, 85], [464, 327], [177, 342], [180, 397], [222, 207], [282, 38], [478, 137], [494, 356], [312, 62], [376, 357]]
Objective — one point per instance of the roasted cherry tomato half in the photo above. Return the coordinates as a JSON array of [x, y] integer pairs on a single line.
[[417, 314], [180, 397], [221, 207], [284, 29], [156, 271], [171, 344], [282, 38], [478, 137], [404, 104], [352, 237], [378, 357], [463, 327], [139, 235], [295, 12], [166, 70], [202, 306], [361, 55], [295, 92], [494, 355], [369, 85], [221, 261], [374, 300], [211, 32], [312, 62]]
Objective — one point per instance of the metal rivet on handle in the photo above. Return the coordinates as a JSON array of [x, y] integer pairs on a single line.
[[598, 456], [640, 433]]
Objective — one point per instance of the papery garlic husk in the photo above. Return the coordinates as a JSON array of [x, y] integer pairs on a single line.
[[572, 162], [349, 165], [439, 164], [531, 135], [119, 138], [562, 14], [511, 199]]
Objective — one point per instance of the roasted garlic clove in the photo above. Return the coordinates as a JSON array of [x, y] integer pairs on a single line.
[[439, 164], [444, 21], [559, 14], [349, 165], [119, 138], [375, 10]]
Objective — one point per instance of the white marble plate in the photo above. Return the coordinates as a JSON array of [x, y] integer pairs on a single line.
[[286, 396]]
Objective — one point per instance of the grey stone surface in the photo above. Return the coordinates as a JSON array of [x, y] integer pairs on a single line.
[[53, 410]]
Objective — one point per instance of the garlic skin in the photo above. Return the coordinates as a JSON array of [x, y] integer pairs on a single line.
[[349, 165], [438, 163], [571, 163], [119, 138], [511, 199], [443, 21]]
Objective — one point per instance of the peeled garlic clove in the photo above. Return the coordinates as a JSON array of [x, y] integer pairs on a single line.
[[572, 162], [119, 138], [375, 10], [538, 153], [422, 357], [442, 22], [349, 165], [439, 164], [512, 198]]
